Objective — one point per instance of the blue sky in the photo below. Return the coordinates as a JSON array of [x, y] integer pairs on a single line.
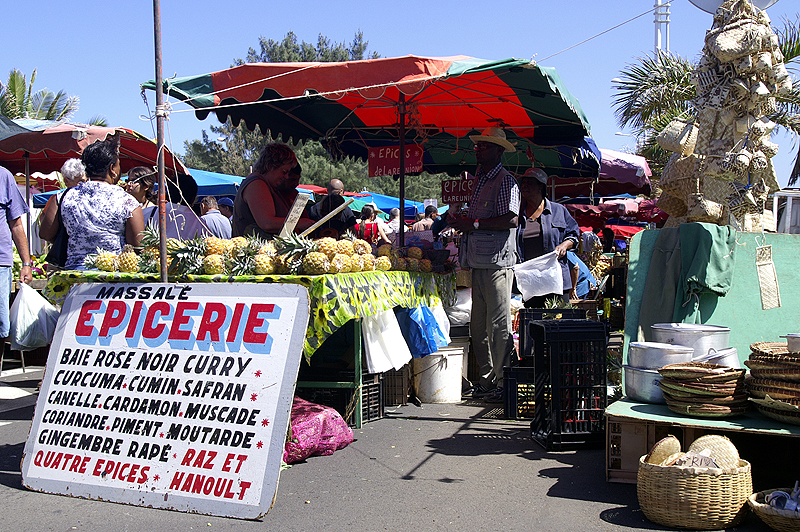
[[102, 51]]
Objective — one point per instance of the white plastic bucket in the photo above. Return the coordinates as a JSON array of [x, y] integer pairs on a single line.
[[437, 377]]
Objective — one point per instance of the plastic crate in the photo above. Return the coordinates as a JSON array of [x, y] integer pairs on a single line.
[[527, 315], [396, 383], [372, 405], [570, 383], [519, 397]]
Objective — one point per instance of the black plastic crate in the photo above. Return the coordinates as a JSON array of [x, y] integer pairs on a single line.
[[527, 315], [569, 383], [396, 383], [343, 399], [518, 382]]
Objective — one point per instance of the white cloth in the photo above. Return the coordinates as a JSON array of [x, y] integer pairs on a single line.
[[94, 214], [385, 347], [182, 222]]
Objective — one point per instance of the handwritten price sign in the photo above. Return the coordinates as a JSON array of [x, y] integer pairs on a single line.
[[169, 396], [386, 160]]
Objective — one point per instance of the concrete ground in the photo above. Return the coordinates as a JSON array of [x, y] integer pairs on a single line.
[[457, 467]]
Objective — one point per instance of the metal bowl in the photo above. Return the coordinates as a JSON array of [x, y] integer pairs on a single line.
[[642, 385], [724, 357], [699, 337], [792, 342], [654, 355]]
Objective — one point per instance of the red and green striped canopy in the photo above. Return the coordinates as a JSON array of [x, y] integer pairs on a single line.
[[353, 105]]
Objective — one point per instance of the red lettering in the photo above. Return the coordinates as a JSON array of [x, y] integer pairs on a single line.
[[213, 319], [234, 327], [187, 458], [115, 315], [244, 486], [149, 329], [226, 466], [132, 475], [254, 321], [82, 328], [85, 462], [134, 321], [175, 332]]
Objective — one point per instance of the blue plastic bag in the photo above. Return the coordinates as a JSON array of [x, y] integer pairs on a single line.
[[421, 331]]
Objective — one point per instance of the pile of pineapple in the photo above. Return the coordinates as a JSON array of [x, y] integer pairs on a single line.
[[293, 255]]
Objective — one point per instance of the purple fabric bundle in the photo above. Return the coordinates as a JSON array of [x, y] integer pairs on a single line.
[[316, 431]]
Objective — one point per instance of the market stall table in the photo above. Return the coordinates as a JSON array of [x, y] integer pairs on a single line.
[[334, 300]]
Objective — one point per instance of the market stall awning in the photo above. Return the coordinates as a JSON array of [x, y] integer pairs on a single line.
[[436, 102], [47, 149], [620, 173]]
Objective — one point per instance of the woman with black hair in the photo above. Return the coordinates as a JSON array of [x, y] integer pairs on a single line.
[[369, 229], [141, 184], [98, 213]]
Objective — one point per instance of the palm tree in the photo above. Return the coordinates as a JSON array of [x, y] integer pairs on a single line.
[[17, 100], [656, 89]]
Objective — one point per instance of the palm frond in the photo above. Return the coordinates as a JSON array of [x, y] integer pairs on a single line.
[[655, 86], [789, 42], [98, 120]]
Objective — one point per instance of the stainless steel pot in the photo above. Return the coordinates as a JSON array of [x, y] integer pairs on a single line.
[[654, 355], [699, 337], [642, 385]]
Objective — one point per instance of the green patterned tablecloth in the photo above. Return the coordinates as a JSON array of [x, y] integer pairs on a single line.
[[335, 299]]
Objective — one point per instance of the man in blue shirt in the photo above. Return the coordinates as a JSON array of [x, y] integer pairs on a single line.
[[582, 279], [12, 232], [216, 222]]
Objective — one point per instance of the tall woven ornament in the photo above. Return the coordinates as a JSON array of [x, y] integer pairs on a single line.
[[737, 79]]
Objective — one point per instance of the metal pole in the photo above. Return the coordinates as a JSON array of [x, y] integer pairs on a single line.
[[402, 107], [28, 199], [661, 19], [162, 216]]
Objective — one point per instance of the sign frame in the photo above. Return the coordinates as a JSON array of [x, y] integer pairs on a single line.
[[267, 341]]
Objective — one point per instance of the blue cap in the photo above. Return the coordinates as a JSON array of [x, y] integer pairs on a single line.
[[226, 201]]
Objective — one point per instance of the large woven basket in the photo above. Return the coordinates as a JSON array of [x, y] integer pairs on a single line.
[[698, 498], [780, 520]]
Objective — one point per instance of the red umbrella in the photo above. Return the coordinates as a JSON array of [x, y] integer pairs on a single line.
[[47, 150]]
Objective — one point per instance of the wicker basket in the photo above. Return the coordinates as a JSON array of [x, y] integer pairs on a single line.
[[698, 498], [780, 520]]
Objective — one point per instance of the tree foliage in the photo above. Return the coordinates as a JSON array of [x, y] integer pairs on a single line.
[[234, 150], [17, 100]]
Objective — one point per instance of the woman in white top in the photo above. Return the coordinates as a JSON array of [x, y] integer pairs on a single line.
[[98, 213]]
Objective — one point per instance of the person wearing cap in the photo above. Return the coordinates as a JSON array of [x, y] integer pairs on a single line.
[[225, 206], [488, 249], [266, 196], [544, 226]]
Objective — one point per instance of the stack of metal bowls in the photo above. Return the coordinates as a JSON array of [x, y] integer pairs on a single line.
[[641, 372], [706, 340]]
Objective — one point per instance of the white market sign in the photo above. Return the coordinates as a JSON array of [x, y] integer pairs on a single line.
[[169, 396]]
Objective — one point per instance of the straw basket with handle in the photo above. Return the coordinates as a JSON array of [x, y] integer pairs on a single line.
[[691, 497]]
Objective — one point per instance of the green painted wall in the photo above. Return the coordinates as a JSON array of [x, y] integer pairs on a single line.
[[741, 308]]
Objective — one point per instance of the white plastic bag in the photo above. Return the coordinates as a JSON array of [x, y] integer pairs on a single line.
[[540, 276], [33, 320], [461, 312], [385, 346]]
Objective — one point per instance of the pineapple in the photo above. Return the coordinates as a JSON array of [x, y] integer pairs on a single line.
[[400, 264], [412, 264], [289, 265], [291, 251], [367, 262], [239, 243], [128, 260], [385, 250], [345, 247], [338, 264], [187, 259], [362, 247], [151, 242], [242, 259], [316, 263], [267, 248], [214, 264], [383, 264], [215, 246], [327, 245], [263, 264], [414, 252], [425, 266], [105, 261], [173, 244]]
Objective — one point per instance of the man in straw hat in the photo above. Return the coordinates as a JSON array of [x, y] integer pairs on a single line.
[[489, 250]]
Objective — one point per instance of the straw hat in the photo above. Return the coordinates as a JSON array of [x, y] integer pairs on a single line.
[[495, 135]]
